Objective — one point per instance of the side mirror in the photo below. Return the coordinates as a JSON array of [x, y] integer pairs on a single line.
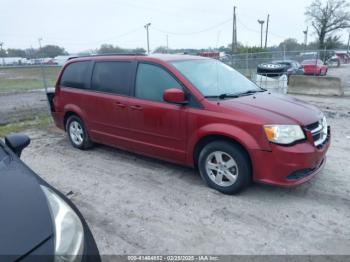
[[174, 95], [17, 142]]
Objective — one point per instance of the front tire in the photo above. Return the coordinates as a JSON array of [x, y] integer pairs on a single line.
[[77, 133], [225, 167]]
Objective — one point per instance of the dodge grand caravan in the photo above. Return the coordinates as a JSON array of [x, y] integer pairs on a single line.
[[193, 111]]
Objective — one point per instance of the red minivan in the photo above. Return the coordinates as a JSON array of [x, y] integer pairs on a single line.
[[194, 111]]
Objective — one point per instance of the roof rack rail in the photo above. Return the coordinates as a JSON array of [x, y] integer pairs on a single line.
[[110, 54]]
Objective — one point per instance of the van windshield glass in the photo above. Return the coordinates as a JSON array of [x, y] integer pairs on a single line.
[[215, 79]]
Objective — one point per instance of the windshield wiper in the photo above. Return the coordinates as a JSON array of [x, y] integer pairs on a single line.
[[249, 92], [228, 95], [223, 96]]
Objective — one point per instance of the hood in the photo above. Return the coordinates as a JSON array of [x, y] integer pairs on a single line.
[[25, 220], [275, 108]]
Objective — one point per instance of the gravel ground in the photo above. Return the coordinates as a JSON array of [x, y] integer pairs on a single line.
[[138, 205], [16, 107]]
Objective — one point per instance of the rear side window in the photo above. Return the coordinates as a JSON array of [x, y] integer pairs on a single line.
[[112, 77], [152, 81], [75, 75]]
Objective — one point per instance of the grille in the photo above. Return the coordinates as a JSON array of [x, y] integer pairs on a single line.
[[319, 131]]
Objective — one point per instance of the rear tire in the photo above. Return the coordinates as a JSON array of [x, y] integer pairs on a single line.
[[225, 167], [77, 133]]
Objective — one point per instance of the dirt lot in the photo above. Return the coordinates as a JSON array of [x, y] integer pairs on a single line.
[[138, 205]]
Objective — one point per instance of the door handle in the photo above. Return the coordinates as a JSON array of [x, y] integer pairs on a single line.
[[136, 107], [118, 104]]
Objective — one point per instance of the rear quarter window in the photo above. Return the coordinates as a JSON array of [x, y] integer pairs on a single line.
[[76, 75], [112, 77]]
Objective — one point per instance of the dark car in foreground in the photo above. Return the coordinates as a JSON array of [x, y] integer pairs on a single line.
[[37, 222], [193, 111]]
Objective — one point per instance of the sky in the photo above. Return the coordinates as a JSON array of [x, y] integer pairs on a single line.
[[80, 25]]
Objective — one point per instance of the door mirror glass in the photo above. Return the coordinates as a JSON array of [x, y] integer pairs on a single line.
[[174, 95], [17, 142]]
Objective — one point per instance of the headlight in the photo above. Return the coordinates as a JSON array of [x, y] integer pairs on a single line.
[[284, 134], [69, 232]]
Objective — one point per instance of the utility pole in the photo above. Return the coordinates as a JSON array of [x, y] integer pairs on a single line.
[[41, 66], [44, 78], [349, 44], [234, 31], [167, 44], [305, 36], [39, 41], [147, 26], [267, 29], [261, 22], [3, 59]]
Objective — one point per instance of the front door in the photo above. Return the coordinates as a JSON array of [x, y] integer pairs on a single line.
[[158, 128]]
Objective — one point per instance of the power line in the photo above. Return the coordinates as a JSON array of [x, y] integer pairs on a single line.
[[246, 27], [258, 32], [193, 33]]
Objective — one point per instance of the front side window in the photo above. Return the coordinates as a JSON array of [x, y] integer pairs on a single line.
[[152, 81], [112, 77], [213, 78], [75, 75]]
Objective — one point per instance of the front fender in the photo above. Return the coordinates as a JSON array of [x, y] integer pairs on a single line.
[[245, 139]]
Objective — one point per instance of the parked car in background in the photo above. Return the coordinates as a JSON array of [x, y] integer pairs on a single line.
[[194, 111], [291, 67], [314, 67], [37, 222], [334, 61], [215, 55], [343, 55]]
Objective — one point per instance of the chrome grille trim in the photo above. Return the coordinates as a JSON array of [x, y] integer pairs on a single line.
[[321, 132]]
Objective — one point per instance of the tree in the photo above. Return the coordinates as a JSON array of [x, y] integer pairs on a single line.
[[333, 42], [139, 50], [290, 44], [161, 50], [328, 18], [12, 52], [51, 51], [109, 49]]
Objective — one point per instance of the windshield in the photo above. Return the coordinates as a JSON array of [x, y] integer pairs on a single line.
[[214, 78]]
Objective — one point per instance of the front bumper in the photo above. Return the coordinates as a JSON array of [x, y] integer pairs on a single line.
[[289, 165]]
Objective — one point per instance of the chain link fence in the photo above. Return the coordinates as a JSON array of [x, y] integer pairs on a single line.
[[271, 70]]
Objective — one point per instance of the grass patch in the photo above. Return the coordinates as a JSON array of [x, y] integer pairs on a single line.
[[26, 78], [39, 122]]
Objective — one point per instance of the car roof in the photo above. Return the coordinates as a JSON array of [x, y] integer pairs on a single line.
[[152, 57]]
